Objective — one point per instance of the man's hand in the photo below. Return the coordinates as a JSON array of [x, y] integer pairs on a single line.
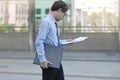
[[45, 64], [69, 40]]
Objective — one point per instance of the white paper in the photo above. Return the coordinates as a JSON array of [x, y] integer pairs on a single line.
[[76, 40], [79, 39]]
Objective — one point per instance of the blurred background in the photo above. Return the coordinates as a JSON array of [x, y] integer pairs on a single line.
[[96, 19], [96, 58]]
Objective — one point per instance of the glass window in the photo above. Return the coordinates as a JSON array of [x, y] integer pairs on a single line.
[[38, 17], [46, 11], [38, 11]]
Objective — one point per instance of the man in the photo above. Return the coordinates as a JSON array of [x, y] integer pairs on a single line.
[[49, 34]]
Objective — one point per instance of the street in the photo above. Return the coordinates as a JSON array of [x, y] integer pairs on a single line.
[[77, 66]]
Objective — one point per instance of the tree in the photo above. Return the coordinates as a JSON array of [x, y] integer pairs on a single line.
[[95, 18]]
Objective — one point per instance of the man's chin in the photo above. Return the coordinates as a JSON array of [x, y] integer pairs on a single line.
[[59, 20]]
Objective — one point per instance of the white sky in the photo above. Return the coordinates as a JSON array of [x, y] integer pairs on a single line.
[[96, 2], [93, 5]]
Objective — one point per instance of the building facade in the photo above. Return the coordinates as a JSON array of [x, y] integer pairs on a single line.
[[14, 12], [42, 8]]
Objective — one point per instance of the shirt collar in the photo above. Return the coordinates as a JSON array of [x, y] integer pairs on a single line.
[[51, 17]]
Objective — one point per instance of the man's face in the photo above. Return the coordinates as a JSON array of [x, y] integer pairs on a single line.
[[60, 15]]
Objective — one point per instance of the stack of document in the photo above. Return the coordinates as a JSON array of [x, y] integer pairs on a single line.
[[76, 40]]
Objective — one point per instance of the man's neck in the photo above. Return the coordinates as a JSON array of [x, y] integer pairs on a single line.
[[53, 13]]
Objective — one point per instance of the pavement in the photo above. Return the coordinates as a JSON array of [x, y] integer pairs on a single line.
[[78, 65]]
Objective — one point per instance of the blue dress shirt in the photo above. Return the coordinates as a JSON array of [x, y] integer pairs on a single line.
[[47, 35]]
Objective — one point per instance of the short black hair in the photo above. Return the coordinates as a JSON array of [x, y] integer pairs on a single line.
[[59, 4]]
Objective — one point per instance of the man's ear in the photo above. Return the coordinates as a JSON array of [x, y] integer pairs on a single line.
[[49, 10]]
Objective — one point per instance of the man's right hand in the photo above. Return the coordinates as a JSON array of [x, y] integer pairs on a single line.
[[45, 64]]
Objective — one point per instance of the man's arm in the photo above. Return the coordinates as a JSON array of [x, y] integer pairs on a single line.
[[65, 42], [39, 44]]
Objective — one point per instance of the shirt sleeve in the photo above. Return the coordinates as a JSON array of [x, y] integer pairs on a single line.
[[63, 42], [39, 43]]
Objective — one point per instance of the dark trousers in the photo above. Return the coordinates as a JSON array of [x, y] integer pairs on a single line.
[[53, 74]]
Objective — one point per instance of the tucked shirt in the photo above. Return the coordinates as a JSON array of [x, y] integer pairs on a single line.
[[47, 35]]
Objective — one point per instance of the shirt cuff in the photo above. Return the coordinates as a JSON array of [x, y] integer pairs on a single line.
[[42, 59]]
